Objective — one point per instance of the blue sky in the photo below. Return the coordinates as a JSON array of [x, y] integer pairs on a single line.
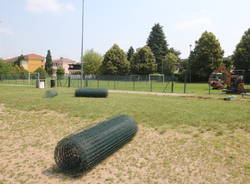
[[34, 26]]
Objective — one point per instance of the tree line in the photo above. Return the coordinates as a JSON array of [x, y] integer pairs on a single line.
[[157, 57], [154, 57]]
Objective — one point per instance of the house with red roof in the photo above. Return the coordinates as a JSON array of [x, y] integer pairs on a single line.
[[64, 63], [31, 62]]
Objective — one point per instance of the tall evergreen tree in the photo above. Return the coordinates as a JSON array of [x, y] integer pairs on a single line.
[[206, 57], [143, 62], [19, 60], [115, 62], [130, 53], [48, 64], [241, 56], [158, 44]]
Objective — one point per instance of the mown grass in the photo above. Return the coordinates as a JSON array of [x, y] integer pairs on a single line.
[[208, 136], [161, 112]]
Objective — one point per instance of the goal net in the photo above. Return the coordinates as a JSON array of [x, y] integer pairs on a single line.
[[156, 78]]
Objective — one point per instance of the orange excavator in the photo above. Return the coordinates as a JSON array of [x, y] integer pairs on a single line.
[[229, 82]]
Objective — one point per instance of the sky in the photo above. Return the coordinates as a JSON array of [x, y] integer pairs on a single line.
[[34, 26]]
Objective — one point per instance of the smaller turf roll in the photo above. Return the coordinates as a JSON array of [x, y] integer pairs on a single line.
[[50, 94], [91, 92]]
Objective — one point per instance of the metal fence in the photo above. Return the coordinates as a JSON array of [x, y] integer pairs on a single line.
[[168, 84], [26, 79]]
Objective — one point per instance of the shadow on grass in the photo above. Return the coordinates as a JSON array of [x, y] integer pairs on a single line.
[[55, 172]]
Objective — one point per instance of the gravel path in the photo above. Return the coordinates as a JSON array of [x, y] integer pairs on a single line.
[[150, 93]]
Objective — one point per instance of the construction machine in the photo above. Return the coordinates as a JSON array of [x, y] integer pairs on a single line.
[[229, 82]]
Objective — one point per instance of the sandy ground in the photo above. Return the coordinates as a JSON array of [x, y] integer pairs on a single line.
[[28, 140]]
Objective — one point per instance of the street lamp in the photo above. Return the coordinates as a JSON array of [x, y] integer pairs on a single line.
[[189, 63], [83, 2]]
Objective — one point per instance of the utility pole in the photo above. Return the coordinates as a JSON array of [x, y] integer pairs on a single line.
[[189, 64], [83, 2]]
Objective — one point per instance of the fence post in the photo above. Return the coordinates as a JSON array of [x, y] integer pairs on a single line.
[[86, 82], [209, 88], [172, 86], [69, 80], [98, 86], [29, 78], [115, 82], [133, 84], [151, 86], [185, 82]]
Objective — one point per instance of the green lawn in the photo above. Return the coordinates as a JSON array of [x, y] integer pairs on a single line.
[[154, 111], [196, 139]]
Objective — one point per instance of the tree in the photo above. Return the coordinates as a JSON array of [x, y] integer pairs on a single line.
[[8, 68], [60, 72], [241, 56], [130, 53], [115, 62], [158, 44], [143, 62], [48, 64], [228, 63], [170, 63], [176, 52], [206, 57], [42, 73], [19, 60], [92, 62]]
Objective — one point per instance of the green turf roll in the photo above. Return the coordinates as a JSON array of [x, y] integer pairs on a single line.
[[82, 151], [91, 92], [50, 94]]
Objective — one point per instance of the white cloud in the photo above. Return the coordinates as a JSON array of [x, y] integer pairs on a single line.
[[195, 23], [6, 31], [48, 5]]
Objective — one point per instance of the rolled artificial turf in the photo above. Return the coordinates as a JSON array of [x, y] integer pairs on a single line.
[[91, 92], [50, 94]]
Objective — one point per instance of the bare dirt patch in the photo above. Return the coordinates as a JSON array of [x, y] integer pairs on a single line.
[[150, 93], [28, 140]]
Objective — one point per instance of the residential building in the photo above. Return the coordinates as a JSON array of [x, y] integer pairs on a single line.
[[75, 69], [64, 63], [31, 62]]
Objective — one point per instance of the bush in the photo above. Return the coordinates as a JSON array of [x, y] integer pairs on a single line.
[[60, 72], [15, 71], [42, 73]]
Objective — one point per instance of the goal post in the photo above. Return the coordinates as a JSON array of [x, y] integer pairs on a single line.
[[157, 78]]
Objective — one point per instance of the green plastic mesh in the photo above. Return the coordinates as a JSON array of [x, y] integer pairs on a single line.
[[84, 150], [50, 94], [91, 92]]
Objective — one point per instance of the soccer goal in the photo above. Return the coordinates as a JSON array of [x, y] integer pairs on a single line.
[[157, 78]]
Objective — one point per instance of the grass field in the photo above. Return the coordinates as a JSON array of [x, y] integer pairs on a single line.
[[195, 139]]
